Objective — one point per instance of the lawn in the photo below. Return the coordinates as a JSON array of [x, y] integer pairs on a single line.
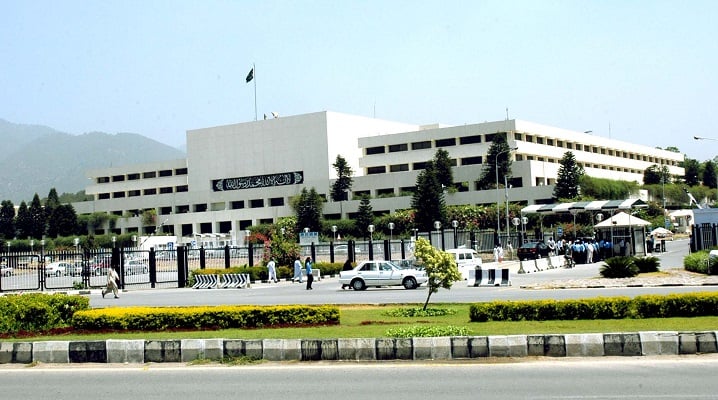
[[369, 321]]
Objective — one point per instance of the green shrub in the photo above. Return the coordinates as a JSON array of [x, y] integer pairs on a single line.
[[419, 312], [619, 267], [698, 262], [428, 331], [38, 312], [649, 306], [646, 264]]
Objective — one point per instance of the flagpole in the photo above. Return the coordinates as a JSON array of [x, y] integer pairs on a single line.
[[255, 91]]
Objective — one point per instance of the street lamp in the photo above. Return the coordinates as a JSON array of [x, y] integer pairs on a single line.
[[32, 244], [134, 241], [76, 241], [334, 231], [42, 243], [416, 233], [524, 222], [455, 224], [8, 247], [498, 193], [391, 232], [437, 226], [114, 240], [574, 212], [370, 228]]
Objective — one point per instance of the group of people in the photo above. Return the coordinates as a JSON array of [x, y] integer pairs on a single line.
[[298, 275], [587, 251]]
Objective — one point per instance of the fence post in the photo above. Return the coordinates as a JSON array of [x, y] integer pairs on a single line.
[[250, 254], [387, 250], [202, 257], [351, 253], [331, 252], [403, 250], [181, 267], [371, 250], [153, 267], [117, 266], [226, 256], [314, 252]]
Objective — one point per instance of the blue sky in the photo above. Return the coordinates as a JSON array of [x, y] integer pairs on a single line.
[[643, 71]]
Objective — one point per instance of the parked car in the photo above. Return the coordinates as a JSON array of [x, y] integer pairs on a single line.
[[136, 267], [6, 270], [532, 251], [60, 268], [344, 249], [466, 260], [381, 273]]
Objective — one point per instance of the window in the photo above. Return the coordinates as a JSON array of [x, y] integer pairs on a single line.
[[421, 145], [375, 150], [519, 136], [181, 188], [165, 210], [529, 138], [103, 196], [446, 142], [150, 174], [276, 202], [256, 203], [550, 142], [133, 193], [165, 172], [376, 170], [103, 179], [118, 195], [118, 178], [398, 167], [133, 177], [166, 190], [183, 209], [181, 171], [470, 139], [236, 205], [539, 140], [149, 192], [398, 147], [385, 192], [201, 207]]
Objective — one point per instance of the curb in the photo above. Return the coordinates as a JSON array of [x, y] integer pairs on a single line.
[[653, 343]]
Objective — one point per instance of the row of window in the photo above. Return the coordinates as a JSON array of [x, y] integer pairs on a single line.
[[417, 166], [427, 144], [143, 175], [520, 157]]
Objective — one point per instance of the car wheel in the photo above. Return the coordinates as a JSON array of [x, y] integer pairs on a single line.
[[410, 283], [358, 284]]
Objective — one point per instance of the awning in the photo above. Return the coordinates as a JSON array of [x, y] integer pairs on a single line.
[[581, 206]]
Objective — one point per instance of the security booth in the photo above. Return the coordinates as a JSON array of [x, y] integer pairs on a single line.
[[616, 227]]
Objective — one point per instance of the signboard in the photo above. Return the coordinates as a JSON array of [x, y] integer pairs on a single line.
[[258, 181], [559, 231], [308, 237]]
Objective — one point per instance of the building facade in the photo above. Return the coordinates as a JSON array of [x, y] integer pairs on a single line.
[[240, 175]]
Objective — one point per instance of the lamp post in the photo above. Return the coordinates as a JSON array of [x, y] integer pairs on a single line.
[[437, 226], [134, 241], [574, 212], [76, 241], [391, 232], [8, 247], [506, 191], [416, 233], [32, 244], [334, 232], [524, 222], [114, 240], [498, 193], [370, 228], [42, 244], [455, 224]]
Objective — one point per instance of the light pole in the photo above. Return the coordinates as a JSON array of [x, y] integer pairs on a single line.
[[498, 193], [334, 232], [8, 247], [370, 228], [506, 191], [32, 244], [455, 225], [437, 226], [134, 241], [391, 232], [114, 240], [524, 222], [76, 241], [574, 212]]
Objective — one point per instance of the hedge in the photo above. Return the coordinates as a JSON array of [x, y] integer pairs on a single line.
[[203, 317], [646, 306], [38, 312]]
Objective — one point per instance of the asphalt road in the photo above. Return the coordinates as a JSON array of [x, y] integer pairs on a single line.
[[328, 290], [687, 377]]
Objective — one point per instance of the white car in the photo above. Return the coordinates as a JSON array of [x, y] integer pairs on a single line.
[[5, 270], [466, 260], [59, 268], [136, 267], [381, 273]]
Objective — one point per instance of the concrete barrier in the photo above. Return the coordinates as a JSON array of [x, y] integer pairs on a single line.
[[361, 349], [489, 277]]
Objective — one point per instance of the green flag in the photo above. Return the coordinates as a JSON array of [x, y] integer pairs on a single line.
[[250, 75]]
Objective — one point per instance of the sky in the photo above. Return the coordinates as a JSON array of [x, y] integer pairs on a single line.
[[641, 71]]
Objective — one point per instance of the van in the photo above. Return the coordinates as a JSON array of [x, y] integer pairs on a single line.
[[466, 260]]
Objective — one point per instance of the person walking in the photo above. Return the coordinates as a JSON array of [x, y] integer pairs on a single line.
[[310, 277], [297, 270], [272, 271], [347, 267], [112, 279]]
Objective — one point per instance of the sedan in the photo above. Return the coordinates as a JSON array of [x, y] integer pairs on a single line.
[[136, 267], [381, 273], [532, 251], [5, 270], [59, 268]]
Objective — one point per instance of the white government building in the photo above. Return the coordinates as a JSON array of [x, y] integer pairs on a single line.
[[240, 175]]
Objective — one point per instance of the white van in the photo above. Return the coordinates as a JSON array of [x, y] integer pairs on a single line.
[[466, 260]]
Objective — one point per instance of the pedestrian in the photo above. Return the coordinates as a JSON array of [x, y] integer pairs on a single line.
[[297, 270], [310, 277], [272, 271], [112, 279], [551, 246], [347, 267]]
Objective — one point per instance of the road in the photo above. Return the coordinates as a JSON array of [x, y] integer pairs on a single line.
[[688, 377], [328, 291]]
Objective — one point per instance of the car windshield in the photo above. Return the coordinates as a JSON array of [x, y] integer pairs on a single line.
[[529, 245]]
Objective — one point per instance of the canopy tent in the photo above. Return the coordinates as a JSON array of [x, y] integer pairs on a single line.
[[580, 206], [661, 231], [621, 220]]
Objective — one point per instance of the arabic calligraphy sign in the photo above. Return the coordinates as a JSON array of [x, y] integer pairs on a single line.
[[258, 181]]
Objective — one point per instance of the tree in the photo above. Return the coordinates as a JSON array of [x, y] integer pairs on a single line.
[[308, 206], [23, 222], [51, 205], [442, 165], [65, 220], [428, 199], [38, 219], [652, 175], [365, 216], [709, 175], [440, 267], [344, 181], [7, 219], [498, 151], [692, 172], [569, 177]]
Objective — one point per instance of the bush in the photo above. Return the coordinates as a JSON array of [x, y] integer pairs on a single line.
[[619, 267], [38, 312], [428, 331], [646, 264], [698, 262]]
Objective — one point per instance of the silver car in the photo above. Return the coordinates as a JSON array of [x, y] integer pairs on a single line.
[[136, 267], [381, 273]]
